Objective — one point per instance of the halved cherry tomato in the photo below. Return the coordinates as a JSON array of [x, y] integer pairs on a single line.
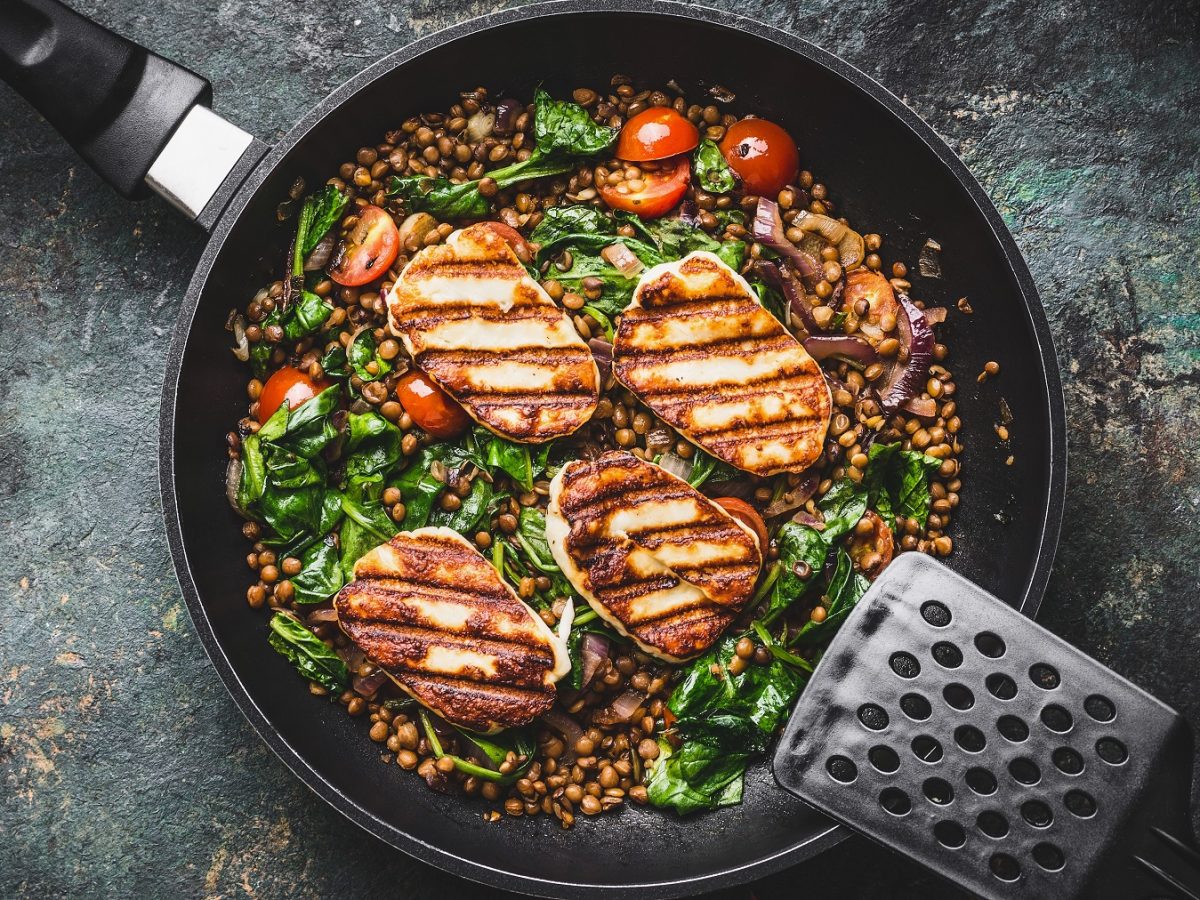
[[747, 515], [287, 384], [656, 133], [513, 238], [660, 192], [872, 545], [763, 154], [435, 411], [368, 251]]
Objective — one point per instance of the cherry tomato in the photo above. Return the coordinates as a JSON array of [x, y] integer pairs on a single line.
[[369, 250], [763, 154], [872, 545], [513, 238], [431, 408], [747, 515], [656, 133], [661, 191], [287, 384], [863, 284]]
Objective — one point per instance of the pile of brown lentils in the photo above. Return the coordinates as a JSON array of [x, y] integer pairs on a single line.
[[607, 765]]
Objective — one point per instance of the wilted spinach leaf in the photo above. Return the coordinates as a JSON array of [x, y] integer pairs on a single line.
[[372, 445], [698, 776], [362, 352], [800, 546], [706, 467], [308, 653], [846, 587], [327, 206], [470, 514], [712, 172], [321, 574], [560, 222]]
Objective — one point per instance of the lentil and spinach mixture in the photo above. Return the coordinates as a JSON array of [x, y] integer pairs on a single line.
[[366, 446]]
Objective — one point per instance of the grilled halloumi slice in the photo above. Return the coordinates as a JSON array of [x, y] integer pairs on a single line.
[[435, 615], [654, 557], [698, 349], [475, 322]]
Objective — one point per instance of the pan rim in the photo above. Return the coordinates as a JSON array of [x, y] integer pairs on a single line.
[[1049, 525]]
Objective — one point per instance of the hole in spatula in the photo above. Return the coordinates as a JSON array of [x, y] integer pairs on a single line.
[[935, 614], [992, 823], [981, 781], [1024, 770], [1111, 751], [990, 645], [969, 738], [1044, 676], [947, 655], [915, 707], [1057, 719], [1005, 867], [1067, 761], [950, 834], [1100, 708], [884, 759], [873, 716], [895, 801], [1012, 728], [926, 748], [958, 696], [1037, 813], [841, 769], [1001, 686], [938, 790], [905, 665], [1080, 803], [1049, 857]]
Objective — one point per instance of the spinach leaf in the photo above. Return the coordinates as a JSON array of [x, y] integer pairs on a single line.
[[799, 546], [562, 127], [842, 506], [321, 575], [470, 515], [724, 721], [308, 429], [616, 290], [372, 445], [531, 535], [675, 238], [440, 196], [712, 172], [771, 300], [495, 749], [362, 352], [254, 474], [367, 523], [732, 253], [419, 488], [898, 482], [559, 222], [308, 653], [706, 466], [327, 206], [698, 776], [846, 587], [334, 363], [305, 316], [512, 458]]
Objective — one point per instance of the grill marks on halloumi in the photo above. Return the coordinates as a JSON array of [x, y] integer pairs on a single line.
[[698, 349], [652, 555], [430, 611], [474, 321]]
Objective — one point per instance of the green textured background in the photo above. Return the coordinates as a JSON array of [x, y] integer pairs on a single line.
[[125, 768]]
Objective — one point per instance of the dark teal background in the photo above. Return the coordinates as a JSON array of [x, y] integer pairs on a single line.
[[125, 770]]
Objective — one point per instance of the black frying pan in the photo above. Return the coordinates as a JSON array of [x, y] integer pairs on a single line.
[[119, 106]]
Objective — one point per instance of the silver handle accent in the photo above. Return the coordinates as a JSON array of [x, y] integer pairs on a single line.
[[196, 160]]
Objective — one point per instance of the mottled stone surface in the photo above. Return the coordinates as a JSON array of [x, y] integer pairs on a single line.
[[125, 768]]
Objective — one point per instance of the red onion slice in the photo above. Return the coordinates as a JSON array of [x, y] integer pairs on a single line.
[[602, 352], [621, 710], [796, 497], [906, 379], [822, 347], [593, 651], [767, 229], [936, 315], [623, 259]]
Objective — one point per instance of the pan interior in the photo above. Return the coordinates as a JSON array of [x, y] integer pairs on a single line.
[[886, 179]]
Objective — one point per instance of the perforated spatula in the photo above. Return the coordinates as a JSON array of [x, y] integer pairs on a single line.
[[944, 724]]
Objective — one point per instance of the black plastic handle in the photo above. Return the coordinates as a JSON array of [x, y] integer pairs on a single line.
[[115, 102]]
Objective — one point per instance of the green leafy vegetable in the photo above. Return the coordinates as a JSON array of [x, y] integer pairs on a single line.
[[308, 653], [470, 514], [494, 748], [321, 574], [725, 722], [305, 316], [846, 587], [372, 446], [362, 352], [563, 134], [842, 506], [802, 553], [419, 488], [510, 457], [531, 535], [707, 467], [712, 172], [561, 222], [327, 206]]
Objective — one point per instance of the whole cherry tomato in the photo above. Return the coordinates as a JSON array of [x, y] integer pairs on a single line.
[[435, 411], [659, 192], [656, 133], [763, 155], [287, 384], [368, 251], [513, 238]]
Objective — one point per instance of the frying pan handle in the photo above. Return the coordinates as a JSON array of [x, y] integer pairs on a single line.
[[139, 120]]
